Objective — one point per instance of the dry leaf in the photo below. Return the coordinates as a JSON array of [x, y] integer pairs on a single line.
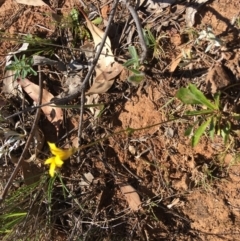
[[10, 85], [91, 100], [32, 2], [185, 54], [175, 63], [54, 114], [100, 87], [131, 196], [104, 78], [106, 69]]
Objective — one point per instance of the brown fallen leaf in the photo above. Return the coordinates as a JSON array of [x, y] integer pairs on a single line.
[[53, 114], [104, 78], [185, 53], [32, 2], [174, 64], [131, 196], [106, 69]]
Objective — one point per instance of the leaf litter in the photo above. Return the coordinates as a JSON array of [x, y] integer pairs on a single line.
[[170, 185]]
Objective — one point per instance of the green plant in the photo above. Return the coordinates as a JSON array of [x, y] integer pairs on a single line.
[[154, 43], [22, 67], [210, 38], [203, 176], [213, 117], [77, 29], [134, 66]]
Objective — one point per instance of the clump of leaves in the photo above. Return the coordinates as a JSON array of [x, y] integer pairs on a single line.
[[133, 64], [213, 117], [22, 67]]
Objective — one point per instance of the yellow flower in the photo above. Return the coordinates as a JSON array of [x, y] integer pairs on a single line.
[[60, 155]]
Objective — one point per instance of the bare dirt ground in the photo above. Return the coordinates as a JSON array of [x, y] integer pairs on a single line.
[[186, 193]]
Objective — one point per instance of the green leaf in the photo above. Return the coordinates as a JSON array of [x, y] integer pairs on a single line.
[[198, 112], [130, 130], [133, 52], [97, 20], [201, 97], [225, 131], [217, 99], [192, 95], [15, 58], [149, 38], [10, 215], [129, 62], [212, 127], [137, 78], [186, 96], [188, 131], [199, 132], [136, 72], [32, 71], [24, 74], [146, 38]]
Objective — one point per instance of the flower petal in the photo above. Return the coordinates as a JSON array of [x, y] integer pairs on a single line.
[[52, 169], [50, 160], [58, 161], [63, 154], [55, 150]]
